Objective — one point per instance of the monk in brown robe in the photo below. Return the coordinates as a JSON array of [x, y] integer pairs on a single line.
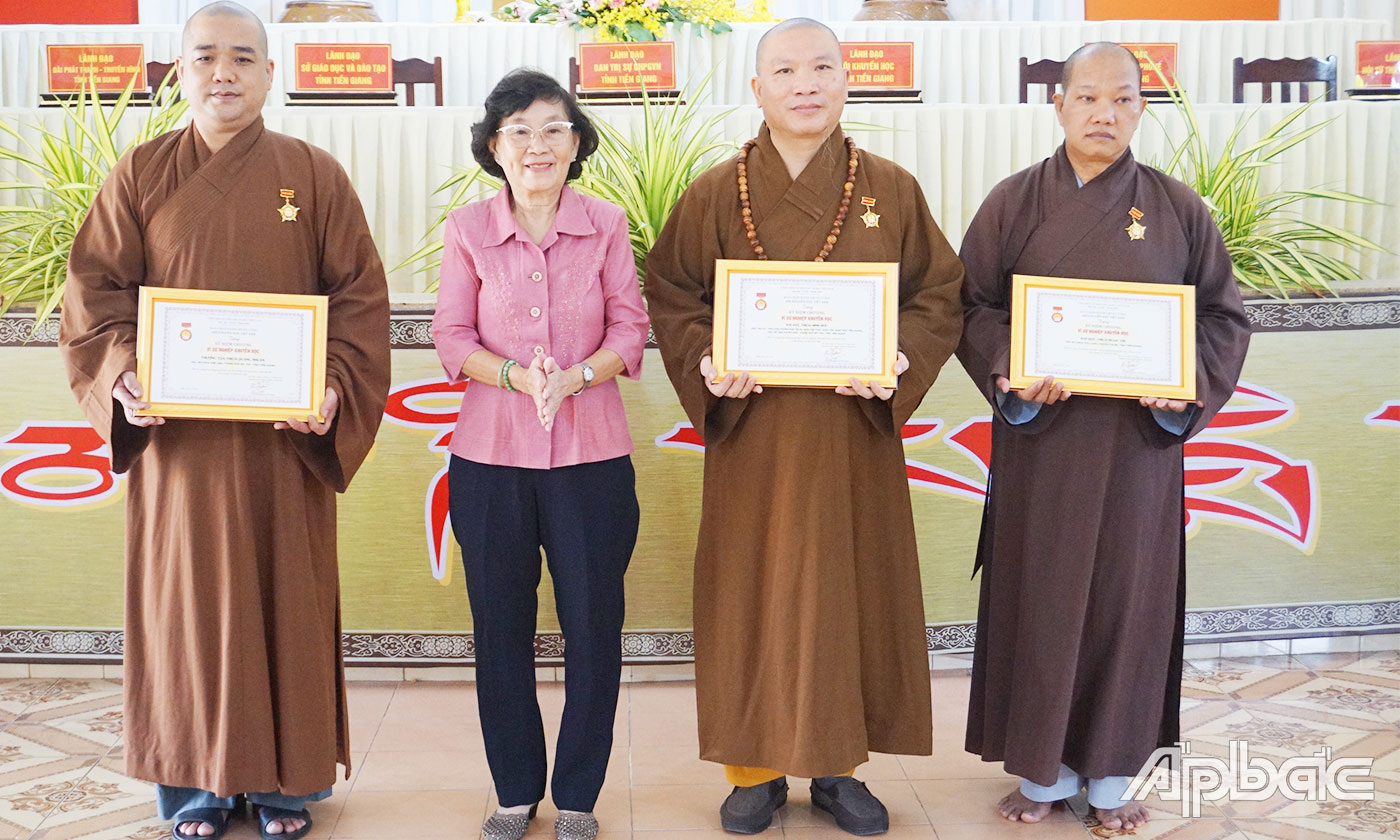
[[1077, 672], [233, 676], [810, 650]]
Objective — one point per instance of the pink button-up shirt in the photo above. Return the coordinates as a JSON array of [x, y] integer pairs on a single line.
[[572, 294]]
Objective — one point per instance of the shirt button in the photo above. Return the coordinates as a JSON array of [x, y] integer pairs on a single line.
[[537, 277], [539, 348], [534, 312]]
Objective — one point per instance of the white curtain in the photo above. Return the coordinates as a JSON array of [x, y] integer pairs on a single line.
[[437, 11], [397, 157]]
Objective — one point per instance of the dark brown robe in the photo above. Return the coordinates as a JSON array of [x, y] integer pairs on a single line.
[[809, 619], [233, 673], [1082, 551]]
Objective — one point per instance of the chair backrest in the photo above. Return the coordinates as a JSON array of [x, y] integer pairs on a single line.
[[1045, 72], [416, 71], [155, 74], [1286, 71]]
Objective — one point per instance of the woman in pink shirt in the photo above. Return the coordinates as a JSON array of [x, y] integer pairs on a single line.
[[539, 307]]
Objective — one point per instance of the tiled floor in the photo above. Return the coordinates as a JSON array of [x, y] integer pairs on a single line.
[[420, 771]]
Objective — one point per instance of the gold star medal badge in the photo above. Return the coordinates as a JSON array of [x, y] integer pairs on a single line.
[[1136, 229], [288, 210], [870, 217]]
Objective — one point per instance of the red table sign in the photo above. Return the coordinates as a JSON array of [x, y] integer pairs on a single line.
[[1378, 64], [878, 64], [625, 67], [110, 66], [344, 68], [1163, 55]]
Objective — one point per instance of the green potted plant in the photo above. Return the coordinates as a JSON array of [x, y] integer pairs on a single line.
[[1274, 249]]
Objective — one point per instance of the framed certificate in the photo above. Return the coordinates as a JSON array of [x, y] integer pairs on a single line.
[[231, 355], [806, 323], [1104, 338]]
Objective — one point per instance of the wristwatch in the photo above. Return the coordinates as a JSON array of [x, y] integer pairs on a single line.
[[587, 377]]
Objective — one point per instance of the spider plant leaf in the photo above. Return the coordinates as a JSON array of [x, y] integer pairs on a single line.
[[1336, 195], [1272, 244]]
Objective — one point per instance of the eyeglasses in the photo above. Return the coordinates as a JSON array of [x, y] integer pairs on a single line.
[[554, 134]]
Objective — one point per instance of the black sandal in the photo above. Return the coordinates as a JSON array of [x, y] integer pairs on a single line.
[[217, 817], [267, 813]]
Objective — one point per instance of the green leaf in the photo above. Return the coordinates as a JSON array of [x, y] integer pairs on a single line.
[[1271, 244], [1334, 195], [67, 164]]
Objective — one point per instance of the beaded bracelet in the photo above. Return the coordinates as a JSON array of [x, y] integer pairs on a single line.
[[504, 376]]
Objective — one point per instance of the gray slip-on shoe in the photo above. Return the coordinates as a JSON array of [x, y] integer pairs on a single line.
[[855, 808], [749, 810]]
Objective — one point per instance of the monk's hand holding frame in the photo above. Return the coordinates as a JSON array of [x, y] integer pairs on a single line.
[[874, 390], [1165, 404], [217, 355], [1044, 391], [808, 324], [1104, 338], [313, 425], [733, 385], [127, 391]]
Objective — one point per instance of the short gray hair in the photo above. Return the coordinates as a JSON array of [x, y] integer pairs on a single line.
[[792, 23]]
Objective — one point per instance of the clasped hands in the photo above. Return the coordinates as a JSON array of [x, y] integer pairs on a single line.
[[740, 385], [127, 391], [1048, 392], [548, 384]]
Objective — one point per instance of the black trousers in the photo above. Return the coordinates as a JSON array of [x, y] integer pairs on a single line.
[[585, 517]]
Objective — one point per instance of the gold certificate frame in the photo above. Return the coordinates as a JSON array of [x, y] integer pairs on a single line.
[[806, 324], [1104, 338], [216, 355]]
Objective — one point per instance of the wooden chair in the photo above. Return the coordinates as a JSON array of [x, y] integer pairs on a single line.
[[1046, 72], [1286, 71], [416, 71], [155, 74]]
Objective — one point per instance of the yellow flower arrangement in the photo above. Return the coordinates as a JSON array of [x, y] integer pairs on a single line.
[[635, 20]]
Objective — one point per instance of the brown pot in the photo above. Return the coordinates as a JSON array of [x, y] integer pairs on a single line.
[[903, 10], [329, 11]]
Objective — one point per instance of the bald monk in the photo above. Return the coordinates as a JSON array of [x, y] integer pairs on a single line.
[[233, 677], [1077, 673], [809, 623]]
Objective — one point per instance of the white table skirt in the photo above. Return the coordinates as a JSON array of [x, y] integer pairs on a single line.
[[397, 157], [974, 63], [1044, 10], [437, 11]]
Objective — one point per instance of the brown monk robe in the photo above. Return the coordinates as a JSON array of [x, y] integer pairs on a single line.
[[1082, 551], [233, 673], [809, 620]]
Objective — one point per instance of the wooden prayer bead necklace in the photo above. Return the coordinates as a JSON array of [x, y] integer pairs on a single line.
[[746, 210]]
